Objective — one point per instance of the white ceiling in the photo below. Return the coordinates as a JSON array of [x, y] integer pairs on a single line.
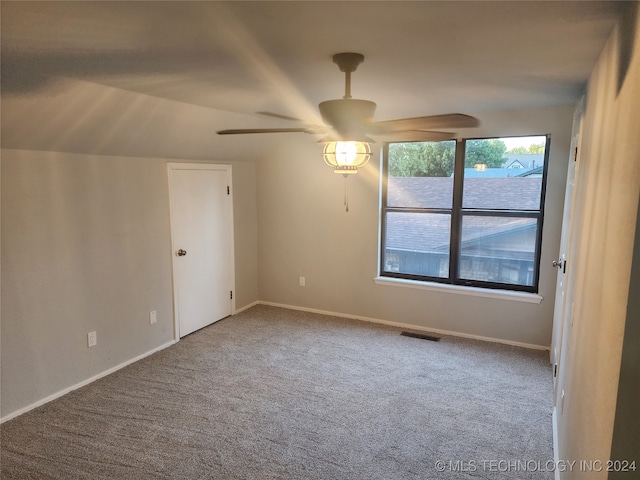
[[73, 72]]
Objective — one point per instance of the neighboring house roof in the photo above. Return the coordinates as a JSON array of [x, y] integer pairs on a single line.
[[537, 172], [420, 192], [431, 233], [513, 193], [419, 232]]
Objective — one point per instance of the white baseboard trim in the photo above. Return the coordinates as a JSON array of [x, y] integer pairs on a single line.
[[83, 383], [556, 453], [246, 307], [407, 326]]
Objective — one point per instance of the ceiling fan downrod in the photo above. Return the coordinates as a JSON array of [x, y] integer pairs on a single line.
[[348, 62]]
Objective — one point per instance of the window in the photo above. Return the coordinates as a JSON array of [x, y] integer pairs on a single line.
[[465, 213]]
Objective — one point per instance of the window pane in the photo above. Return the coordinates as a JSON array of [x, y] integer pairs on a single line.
[[421, 174], [498, 249], [417, 243], [504, 173]]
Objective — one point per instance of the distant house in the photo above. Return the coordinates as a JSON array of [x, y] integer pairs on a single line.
[[515, 165], [523, 160]]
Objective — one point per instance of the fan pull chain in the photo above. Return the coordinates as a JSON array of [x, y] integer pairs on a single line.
[[346, 193]]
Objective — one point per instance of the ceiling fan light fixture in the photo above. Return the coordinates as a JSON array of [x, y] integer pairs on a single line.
[[346, 157]]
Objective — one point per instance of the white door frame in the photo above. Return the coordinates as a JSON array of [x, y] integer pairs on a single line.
[[199, 166]]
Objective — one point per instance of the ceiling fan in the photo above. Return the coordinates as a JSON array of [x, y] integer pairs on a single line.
[[349, 119]]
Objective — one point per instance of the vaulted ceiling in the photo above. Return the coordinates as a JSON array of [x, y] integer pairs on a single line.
[[159, 78]]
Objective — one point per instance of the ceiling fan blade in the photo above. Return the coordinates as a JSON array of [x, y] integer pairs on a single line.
[[451, 120], [278, 115], [415, 136], [241, 131]]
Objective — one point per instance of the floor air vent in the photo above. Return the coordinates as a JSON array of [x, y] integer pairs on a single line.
[[420, 336]]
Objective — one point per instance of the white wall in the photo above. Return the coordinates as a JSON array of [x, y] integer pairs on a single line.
[[305, 231], [626, 441], [608, 186], [86, 246], [85, 234]]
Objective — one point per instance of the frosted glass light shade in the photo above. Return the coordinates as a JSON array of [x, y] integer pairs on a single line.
[[346, 157]]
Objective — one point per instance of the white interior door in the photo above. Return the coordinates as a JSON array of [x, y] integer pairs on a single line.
[[564, 302], [202, 244]]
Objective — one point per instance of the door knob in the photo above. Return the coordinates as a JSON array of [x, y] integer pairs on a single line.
[[560, 264], [182, 253]]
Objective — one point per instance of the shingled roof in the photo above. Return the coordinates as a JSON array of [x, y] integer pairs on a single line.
[[513, 193], [420, 232]]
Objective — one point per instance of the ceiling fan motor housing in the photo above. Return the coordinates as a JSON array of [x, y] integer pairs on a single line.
[[348, 117]]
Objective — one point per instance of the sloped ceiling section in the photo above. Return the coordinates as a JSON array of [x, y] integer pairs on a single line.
[[159, 78]]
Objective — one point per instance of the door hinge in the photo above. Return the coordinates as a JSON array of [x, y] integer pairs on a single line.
[[228, 190], [575, 155], [231, 294], [555, 370]]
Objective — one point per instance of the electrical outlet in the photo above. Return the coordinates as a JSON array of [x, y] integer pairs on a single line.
[[302, 281], [92, 339], [152, 317]]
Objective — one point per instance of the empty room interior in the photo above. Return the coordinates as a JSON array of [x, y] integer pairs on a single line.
[[337, 240]]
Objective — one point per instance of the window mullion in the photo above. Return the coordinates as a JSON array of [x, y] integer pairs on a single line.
[[446, 211], [501, 213], [456, 215]]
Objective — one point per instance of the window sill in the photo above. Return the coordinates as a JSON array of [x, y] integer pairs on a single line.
[[460, 290]]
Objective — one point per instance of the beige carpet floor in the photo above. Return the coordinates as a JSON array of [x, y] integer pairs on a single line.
[[279, 394]]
